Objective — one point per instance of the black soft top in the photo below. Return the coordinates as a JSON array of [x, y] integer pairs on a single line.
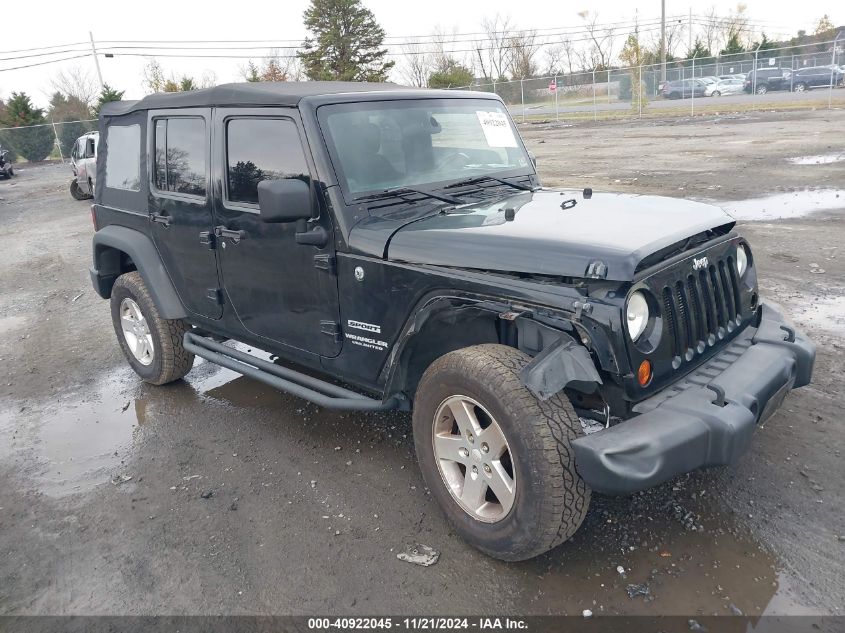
[[281, 93]]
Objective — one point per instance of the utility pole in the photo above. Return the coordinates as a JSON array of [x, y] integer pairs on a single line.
[[96, 61], [662, 41]]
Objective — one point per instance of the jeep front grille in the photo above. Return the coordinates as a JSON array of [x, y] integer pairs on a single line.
[[701, 309]]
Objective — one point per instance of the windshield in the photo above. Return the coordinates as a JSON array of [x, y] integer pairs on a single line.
[[388, 144]]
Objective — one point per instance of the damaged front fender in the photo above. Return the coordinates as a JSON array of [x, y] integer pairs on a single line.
[[562, 364]]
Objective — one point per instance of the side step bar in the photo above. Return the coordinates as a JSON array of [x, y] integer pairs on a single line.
[[320, 392]]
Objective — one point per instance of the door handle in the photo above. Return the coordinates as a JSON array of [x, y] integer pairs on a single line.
[[235, 236], [160, 219]]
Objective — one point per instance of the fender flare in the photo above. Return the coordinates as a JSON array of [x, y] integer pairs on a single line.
[[145, 256]]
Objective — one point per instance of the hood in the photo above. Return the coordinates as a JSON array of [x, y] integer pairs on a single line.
[[544, 238]]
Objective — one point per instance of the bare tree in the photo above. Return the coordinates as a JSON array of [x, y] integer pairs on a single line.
[[522, 49], [711, 30], [493, 53], [154, 79], [208, 79], [736, 25], [416, 65], [601, 40], [553, 59], [675, 32], [78, 83]]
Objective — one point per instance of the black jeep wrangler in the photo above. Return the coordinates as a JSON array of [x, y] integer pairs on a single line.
[[392, 248]]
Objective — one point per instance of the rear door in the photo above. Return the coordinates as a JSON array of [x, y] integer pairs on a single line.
[[281, 290], [180, 205]]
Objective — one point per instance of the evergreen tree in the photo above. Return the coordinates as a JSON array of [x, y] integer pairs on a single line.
[[345, 43], [733, 45], [33, 143], [698, 51], [107, 95]]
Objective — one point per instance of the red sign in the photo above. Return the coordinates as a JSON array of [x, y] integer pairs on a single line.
[[552, 87]]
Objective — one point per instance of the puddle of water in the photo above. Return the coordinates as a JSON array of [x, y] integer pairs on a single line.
[[794, 204], [668, 568], [825, 314], [818, 159], [72, 446]]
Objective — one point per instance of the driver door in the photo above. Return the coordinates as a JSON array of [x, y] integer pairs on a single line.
[[280, 290]]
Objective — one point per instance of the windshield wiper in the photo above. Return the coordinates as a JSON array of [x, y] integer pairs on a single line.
[[401, 191], [477, 179]]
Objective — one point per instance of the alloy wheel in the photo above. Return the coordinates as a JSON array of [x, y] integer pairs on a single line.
[[474, 459], [136, 332]]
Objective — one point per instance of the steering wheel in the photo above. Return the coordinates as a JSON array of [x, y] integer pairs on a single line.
[[447, 160]]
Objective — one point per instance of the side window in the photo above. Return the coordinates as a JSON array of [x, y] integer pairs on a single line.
[[261, 149], [123, 158], [89, 148], [180, 156]]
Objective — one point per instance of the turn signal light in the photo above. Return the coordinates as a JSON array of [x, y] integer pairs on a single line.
[[644, 373]]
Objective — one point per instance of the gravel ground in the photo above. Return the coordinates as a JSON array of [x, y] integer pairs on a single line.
[[218, 495]]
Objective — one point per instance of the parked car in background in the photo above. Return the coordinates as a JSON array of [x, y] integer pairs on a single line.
[[816, 77], [83, 162], [683, 88], [764, 80], [724, 87]]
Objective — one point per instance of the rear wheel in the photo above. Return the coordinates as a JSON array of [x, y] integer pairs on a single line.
[[152, 345], [497, 459], [761, 90], [76, 192]]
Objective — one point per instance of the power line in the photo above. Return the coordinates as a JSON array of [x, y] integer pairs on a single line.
[[295, 44], [44, 63]]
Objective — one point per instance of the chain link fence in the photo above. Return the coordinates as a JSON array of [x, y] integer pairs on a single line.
[[45, 141], [789, 77]]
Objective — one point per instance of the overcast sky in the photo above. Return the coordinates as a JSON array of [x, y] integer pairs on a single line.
[[23, 27]]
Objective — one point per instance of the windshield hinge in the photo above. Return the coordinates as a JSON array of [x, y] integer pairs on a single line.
[[325, 262]]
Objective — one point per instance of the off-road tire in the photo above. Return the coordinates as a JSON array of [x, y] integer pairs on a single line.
[[171, 361], [76, 192], [551, 498]]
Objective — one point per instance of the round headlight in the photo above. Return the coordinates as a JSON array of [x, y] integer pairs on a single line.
[[741, 260], [636, 315]]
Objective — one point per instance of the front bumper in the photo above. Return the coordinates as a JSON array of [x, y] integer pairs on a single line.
[[689, 425]]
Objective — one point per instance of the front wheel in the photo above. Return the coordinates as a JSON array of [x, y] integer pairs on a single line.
[[497, 459], [716, 93], [761, 90], [151, 344], [799, 88]]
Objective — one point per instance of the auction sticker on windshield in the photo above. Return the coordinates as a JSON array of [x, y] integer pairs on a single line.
[[497, 129]]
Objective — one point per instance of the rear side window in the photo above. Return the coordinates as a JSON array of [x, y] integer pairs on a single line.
[[261, 149], [180, 155], [123, 160]]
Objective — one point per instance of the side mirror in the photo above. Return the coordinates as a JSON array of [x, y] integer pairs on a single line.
[[285, 200]]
